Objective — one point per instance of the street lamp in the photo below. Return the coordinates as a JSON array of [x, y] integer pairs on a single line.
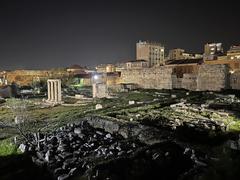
[[95, 77]]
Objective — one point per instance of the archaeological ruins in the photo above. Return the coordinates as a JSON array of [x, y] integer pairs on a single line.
[[54, 91], [207, 77], [99, 86]]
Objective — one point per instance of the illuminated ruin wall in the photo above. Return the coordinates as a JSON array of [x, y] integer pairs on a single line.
[[235, 80], [213, 77], [24, 77], [189, 81], [150, 78], [209, 77], [27, 77]]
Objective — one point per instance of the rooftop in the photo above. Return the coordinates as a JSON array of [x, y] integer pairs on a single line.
[[149, 42], [75, 66], [185, 61], [136, 61], [234, 48]]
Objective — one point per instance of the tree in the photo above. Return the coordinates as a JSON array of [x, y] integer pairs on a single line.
[[19, 108], [40, 84]]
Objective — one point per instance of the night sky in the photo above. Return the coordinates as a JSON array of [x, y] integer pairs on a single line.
[[38, 34]]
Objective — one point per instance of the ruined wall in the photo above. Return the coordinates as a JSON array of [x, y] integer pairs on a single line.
[[26, 77], [151, 78], [113, 80], [181, 69], [209, 77], [189, 81], [233, 64], [213, 77], [176, 82], [235, 80], [100, 90]]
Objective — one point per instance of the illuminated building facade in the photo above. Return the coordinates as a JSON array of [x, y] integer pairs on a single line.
[[153, 53], [212, 50]]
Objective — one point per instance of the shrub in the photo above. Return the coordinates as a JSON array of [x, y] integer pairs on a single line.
[[7, 147]]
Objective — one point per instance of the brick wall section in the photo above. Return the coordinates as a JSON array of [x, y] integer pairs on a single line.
[[235, 80], [213, 77]]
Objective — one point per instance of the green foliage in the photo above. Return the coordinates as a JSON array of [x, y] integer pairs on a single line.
[[149, 105], [234, 127], [7, 147], [137, 96]]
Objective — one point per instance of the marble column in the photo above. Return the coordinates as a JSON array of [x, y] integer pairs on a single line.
[[49, 94], [55, 91], [52, 91], [59, 91]]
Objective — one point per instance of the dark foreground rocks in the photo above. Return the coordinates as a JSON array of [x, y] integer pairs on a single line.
[[161, 161], [21, 167], [96, 149]]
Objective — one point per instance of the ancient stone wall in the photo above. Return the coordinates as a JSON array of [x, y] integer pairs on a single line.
[[100, 90], [189, 81], [213, 77], [177, 82], [235, 80], [209, 77], [151, 78], [26, 77]]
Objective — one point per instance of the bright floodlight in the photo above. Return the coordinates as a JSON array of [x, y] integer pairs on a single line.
[[95, 77]]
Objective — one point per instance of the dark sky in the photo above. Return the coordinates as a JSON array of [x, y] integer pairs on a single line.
[[57, 33]]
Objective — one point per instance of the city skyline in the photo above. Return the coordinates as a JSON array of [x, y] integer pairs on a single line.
[[47, 34]]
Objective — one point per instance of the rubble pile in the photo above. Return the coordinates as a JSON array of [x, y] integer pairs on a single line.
[[162, 161], [234, 143], [84, 151], [230, 98], [73, 149], [225, 102]]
